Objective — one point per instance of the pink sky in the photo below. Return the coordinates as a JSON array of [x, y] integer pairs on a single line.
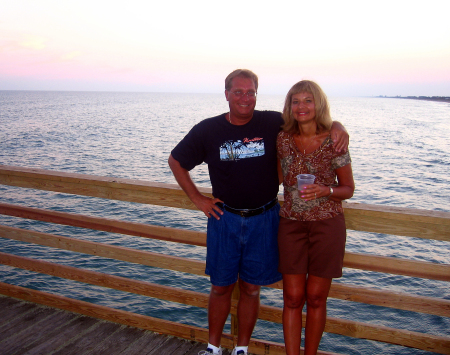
[[350, 48]]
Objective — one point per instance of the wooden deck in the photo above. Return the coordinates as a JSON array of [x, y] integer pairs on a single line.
[[29, 328]]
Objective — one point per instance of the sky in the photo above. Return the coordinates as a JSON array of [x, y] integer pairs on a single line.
[[350, 48]]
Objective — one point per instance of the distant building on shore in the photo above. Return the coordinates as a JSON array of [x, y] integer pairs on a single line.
[[427, 98]]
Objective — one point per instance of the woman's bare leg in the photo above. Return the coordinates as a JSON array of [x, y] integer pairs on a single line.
[[317, 289], [294, 292]]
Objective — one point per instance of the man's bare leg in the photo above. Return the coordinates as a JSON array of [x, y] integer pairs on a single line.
[[248, 310], [218, 309]]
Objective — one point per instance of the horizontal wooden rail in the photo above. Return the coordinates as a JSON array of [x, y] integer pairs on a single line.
[[407, 222], [107, 251], [340, 291], [398, 266], [428, 342], [362, 217], [391, 299], [382, 298], [353, 260], [333, 325], [125, 284], [106, 224], [97, 186]]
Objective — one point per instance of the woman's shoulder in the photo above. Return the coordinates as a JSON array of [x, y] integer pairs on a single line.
[[325, 135], [284, 142], [324, 138], [284, 135], [284, 138], [328, 145]]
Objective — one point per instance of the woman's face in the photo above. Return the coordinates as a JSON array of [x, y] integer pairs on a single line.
[[303, 107]]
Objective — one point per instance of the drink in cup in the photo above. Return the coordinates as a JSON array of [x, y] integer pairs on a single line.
[[304, 179]]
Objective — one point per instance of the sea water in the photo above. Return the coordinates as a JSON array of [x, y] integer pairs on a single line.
[[400, 157]]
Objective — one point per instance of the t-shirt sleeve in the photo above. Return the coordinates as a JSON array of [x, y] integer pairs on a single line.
[[341, 160], [190, 151]]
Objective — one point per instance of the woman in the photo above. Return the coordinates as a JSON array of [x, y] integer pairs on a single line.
[[312, 230]]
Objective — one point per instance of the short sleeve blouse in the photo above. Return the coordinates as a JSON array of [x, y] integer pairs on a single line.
[[322, 163]]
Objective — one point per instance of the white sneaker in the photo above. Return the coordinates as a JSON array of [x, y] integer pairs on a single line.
[[209, 351], [239, 352]]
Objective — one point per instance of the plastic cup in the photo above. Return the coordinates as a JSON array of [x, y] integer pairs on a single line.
[[304, 179]]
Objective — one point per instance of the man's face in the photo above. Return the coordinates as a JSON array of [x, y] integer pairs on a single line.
[[241, 97]]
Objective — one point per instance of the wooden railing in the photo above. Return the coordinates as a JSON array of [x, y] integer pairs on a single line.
[[369, 218]]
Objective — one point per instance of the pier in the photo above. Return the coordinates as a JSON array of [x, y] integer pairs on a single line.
[[369, 218], [30, 328]]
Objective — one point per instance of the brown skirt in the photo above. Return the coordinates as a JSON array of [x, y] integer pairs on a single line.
[[312, 247]]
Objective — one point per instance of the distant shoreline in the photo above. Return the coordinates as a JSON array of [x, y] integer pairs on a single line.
[[426, 98]]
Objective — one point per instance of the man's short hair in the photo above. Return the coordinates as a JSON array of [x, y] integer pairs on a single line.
[[243, 73]]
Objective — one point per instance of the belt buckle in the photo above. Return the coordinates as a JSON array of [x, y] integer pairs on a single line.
[[243, 213]]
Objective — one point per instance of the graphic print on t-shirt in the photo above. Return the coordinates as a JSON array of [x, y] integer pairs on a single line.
[[241, 149]]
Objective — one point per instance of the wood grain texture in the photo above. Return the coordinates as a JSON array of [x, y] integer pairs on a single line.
[[361, 217]]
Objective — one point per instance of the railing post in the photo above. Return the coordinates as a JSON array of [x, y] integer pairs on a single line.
[[234, 319]]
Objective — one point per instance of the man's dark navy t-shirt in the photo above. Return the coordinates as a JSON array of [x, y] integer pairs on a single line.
[[242, 160]]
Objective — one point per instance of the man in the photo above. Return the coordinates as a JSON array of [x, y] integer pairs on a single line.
[[240, 150]]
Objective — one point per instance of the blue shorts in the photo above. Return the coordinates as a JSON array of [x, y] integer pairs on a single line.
[[244, 246]]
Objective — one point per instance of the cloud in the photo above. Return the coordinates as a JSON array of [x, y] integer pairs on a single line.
[[70, 56], [33, 42], [151, 47]]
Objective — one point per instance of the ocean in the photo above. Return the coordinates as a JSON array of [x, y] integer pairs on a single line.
[[400, 157]]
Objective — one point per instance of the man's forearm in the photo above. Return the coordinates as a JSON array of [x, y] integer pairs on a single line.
[[340, 137], [183, 179], [204, 203]]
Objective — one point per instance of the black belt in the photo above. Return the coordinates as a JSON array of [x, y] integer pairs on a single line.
[[251, 212]]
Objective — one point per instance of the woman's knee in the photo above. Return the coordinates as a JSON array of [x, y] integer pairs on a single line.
[[316, 300], [293, 299]]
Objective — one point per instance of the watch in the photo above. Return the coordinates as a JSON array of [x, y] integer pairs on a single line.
[[331, 192]]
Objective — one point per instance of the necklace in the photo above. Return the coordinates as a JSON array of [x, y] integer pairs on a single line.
[[238, 122], [304, 148]]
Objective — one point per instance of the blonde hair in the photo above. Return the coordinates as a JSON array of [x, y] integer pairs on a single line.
[[322, 115], [244, 73]]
